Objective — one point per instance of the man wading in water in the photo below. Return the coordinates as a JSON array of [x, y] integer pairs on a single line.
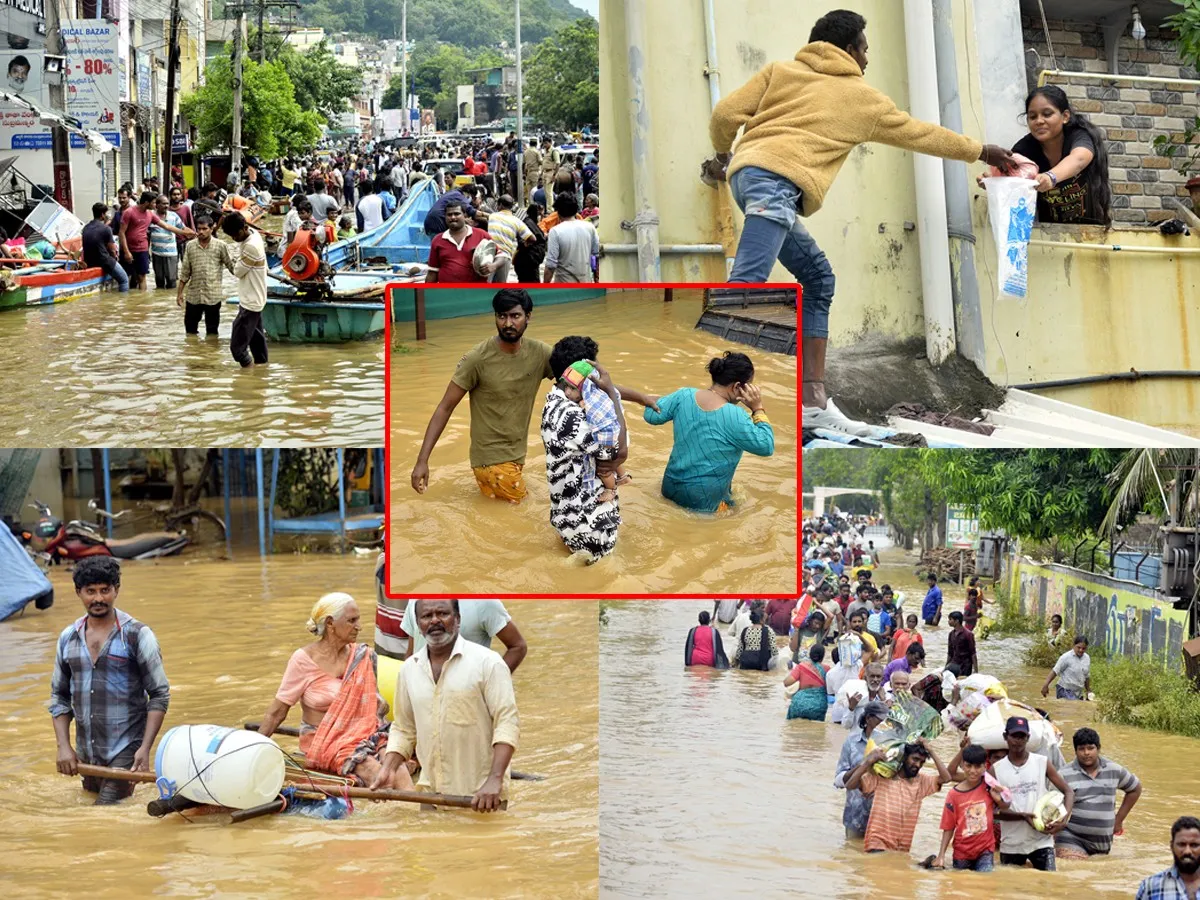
[[247, 341], [502, 375], [108, 676], [801, 119]]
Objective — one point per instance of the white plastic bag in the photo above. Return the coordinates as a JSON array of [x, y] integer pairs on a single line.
[[1012, 203]]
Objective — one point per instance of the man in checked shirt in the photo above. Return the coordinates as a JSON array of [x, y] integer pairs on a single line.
[[108, 676]]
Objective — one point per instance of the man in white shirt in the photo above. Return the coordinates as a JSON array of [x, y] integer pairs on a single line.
[[248, 341], [1029, 776], [572, 244], [456, 711], [480, 622], [369, 209]]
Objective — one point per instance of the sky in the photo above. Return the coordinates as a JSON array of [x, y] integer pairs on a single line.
[[588, 6]]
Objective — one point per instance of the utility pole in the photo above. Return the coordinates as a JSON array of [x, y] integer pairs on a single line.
[[169, 131], [520, 119], [262, 10], [235, 151], [60, 146], [404, 62]]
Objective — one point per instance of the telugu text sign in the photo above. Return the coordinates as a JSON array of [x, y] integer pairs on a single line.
[[93, 77], [962, 527]]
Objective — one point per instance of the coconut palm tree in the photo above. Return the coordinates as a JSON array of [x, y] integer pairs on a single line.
[[1170, 477]]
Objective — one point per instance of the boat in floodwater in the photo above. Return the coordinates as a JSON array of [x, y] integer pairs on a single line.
[[354, 307], [50, 282]]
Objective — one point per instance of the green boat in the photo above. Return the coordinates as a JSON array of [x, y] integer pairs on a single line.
[[355, 312], [454, 302]]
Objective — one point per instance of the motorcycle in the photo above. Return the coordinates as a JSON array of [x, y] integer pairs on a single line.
[[50, 538]]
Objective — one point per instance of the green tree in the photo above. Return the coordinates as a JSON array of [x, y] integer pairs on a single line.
[[562, 79], [319, 81], [273, 124], [1036, 495]]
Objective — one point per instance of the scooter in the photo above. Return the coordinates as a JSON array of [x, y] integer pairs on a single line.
[[77, 539]]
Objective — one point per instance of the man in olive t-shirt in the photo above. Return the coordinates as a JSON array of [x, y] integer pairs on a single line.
[[502, 375]]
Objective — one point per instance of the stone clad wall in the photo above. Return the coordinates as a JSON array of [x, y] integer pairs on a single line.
[[1131, 114]]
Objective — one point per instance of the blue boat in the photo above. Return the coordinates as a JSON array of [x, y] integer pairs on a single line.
[[400, 239]]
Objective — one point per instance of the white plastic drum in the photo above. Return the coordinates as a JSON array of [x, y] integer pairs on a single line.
[[223, 766]]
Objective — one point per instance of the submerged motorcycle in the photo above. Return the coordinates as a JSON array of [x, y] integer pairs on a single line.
[[51, 538]]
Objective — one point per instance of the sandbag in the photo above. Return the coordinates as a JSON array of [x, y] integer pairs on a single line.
[[1012, 203], [976, 682], [988, 728], [849, 689]]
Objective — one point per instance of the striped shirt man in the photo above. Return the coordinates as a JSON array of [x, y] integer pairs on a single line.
[[1092, 818], [108, 699], [895, 809], [507, 231], [162, 242]]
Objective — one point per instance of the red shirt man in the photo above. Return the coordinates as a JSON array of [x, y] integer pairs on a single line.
[[450, 252]]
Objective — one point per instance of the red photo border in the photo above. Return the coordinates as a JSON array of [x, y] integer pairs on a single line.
[[640, 286]]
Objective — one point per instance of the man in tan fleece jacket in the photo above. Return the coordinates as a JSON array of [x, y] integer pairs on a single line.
[[800, 119]]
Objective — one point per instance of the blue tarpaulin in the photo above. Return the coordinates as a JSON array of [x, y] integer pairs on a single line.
[[21, 581]]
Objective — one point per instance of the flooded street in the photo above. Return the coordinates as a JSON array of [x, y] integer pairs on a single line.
[[115, 369], [707, 789], [226, 631], [454, 539]]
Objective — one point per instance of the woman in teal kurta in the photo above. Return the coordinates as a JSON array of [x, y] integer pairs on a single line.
[[711, 433]]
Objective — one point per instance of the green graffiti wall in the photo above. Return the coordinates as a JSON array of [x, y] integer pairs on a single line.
[[1124, 617]]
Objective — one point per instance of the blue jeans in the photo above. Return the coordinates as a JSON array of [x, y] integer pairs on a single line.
[[117, 274], [985, 862], [773, 231]]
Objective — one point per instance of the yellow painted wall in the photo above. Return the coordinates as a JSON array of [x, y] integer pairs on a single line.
[[1087, 313], [1121, 616]]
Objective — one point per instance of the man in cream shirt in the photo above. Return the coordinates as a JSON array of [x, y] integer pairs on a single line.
[[248, 341], [455, 709]]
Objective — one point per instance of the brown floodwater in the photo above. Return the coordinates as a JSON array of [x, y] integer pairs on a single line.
[[708, 790], [227, 630], [453, 539], [118, 370]]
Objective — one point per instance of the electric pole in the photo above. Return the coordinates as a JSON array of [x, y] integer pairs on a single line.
[[60, 146], [404, 62], [262, 10], [235, 151], [520, 120], [169, 130]]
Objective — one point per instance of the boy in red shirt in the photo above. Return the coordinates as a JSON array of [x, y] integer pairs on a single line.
[[969, 816]]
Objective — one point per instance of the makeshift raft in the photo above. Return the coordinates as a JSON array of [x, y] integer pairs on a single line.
[[761, 318]]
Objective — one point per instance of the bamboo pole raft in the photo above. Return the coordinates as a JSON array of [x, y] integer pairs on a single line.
[[304, 785]]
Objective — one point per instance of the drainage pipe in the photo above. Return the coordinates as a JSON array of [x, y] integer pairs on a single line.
[[712, 71], [645, 220], [668, 249], [964, 282], [1131, 375], [1116, 248], [936, 292], [1109, 76]]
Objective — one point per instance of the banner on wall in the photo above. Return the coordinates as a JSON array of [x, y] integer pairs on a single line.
[[21, 128], [143, 81], [93, 78]]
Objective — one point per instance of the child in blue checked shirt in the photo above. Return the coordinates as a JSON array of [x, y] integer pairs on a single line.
[[606, 428]]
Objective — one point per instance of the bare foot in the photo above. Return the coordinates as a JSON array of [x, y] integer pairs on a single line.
[[624, 479], [606, 496]]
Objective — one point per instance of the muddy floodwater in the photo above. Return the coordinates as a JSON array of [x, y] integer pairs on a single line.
[[227, 630], [707, 790], [118, 370], [454, 539]]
